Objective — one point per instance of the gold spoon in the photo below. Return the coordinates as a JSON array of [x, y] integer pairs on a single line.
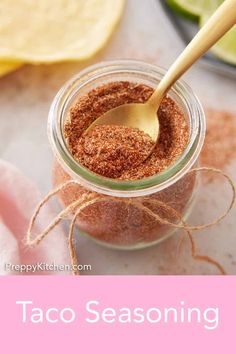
[[144, 115]]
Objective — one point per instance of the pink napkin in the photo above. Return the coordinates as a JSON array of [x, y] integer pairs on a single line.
[[18, 198]]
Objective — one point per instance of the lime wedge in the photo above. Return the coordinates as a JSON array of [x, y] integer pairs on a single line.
[[191, 9], [225, 48]]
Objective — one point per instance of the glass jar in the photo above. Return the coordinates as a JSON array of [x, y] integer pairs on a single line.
[[117, 221]]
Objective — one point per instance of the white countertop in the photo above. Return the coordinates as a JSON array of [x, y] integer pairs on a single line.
[[25, 96]]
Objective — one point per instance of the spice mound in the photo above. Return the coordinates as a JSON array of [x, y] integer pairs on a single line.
[[109, 150], [117, 151]]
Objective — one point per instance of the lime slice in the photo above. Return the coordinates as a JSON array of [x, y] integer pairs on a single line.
[[191, 9], [225, 48]]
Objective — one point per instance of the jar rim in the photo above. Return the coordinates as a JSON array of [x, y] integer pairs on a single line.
[[124, 188]]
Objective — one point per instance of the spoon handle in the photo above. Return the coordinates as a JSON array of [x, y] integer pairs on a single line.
[[217, 25]]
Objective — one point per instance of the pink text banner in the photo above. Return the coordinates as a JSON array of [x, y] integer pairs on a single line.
[[106, 314]]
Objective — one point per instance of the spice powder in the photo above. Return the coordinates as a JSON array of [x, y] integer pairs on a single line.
[[118, 152]]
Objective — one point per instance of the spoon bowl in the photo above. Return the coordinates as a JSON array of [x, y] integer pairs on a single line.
[[135, 115]]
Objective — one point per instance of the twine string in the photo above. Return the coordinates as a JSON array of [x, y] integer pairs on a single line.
[[73, 256], [89, 198], [63, 214]]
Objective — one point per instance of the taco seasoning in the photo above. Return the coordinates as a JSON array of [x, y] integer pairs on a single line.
[[109, 161]]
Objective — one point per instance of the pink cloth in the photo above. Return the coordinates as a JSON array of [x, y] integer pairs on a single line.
[[18, 198]]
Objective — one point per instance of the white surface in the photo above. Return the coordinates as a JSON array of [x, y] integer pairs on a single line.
[[25, 96]]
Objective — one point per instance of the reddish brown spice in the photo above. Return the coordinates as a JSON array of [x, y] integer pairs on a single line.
[[110, 150], [102, 150], [114, 222], [220, 144], [119, 152]]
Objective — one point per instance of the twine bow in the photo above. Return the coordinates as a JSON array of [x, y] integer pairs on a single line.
[[90, 198]]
